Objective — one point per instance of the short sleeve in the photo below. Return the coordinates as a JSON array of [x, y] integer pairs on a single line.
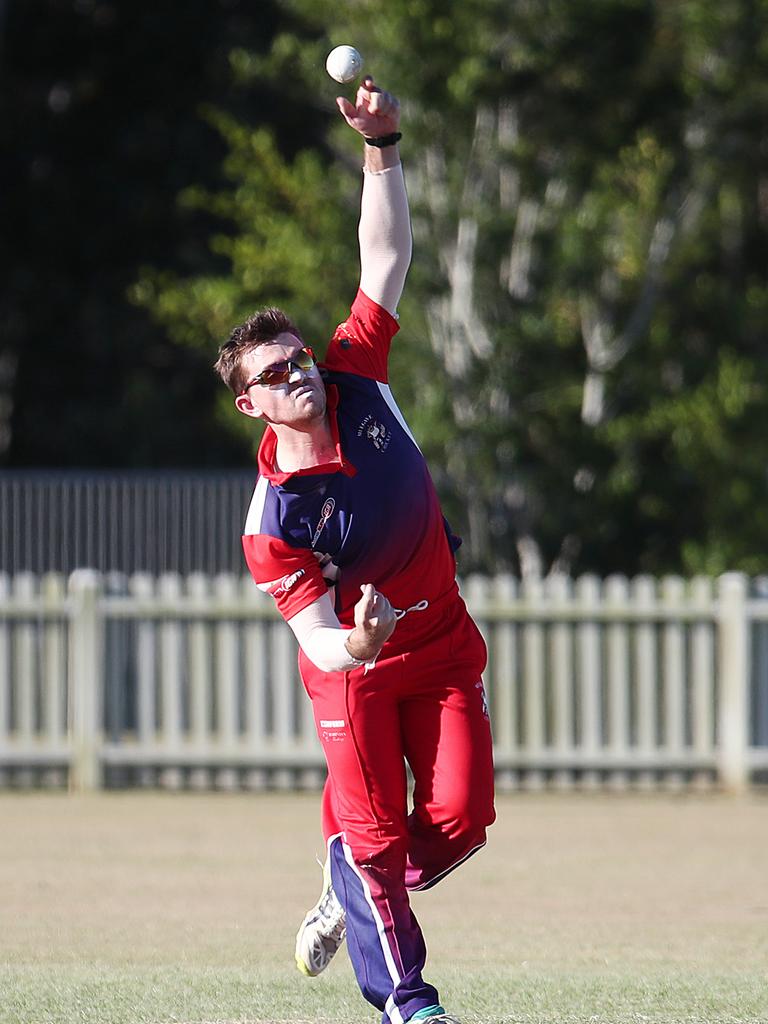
[[361, 344], [291, 575]]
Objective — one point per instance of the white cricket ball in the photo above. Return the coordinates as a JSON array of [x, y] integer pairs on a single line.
[[344, 63]]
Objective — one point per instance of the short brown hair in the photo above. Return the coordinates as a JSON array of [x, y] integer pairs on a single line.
[[260, 328]]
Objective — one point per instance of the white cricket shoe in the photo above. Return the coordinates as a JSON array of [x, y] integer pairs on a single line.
[[438, 1017], [322, 930]]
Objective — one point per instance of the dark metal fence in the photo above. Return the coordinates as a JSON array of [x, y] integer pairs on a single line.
[[130, 521]]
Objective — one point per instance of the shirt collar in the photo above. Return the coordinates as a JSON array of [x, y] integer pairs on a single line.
[[268, 449]]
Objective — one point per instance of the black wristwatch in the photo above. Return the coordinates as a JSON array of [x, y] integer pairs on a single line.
[[384, 140]]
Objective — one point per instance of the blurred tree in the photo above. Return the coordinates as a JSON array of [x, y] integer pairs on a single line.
[[583, 353], [101, 128]]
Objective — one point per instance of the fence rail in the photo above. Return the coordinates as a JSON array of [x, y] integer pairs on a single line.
[[192, 681]]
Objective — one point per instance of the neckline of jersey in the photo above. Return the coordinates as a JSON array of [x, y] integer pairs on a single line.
[[268, 449]]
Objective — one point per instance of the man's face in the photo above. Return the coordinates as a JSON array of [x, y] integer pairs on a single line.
[[299, 402]]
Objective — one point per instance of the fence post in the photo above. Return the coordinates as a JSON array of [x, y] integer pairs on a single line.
[[85, 684], [734, 681]]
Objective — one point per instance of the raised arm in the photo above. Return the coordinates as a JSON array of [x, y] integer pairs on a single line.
[[385, 223]]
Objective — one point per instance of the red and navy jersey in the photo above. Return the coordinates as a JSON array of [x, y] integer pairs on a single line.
[[373, 516]]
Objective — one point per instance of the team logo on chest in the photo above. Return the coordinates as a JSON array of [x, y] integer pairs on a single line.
[[376, 432], [325, 514]]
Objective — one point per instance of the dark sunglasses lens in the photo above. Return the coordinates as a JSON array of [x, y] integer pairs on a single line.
[[276, 374], [280, 372]]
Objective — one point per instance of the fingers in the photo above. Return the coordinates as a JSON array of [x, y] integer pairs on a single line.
[[383, 103], [374, 111], [375, 622], [348, 111], [366, 90], [370, 98], [366, 602], [380, 104], [373, 605], [373, 608], [375, 101]]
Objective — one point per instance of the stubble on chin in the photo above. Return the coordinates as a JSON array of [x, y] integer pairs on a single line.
[[310, 406]]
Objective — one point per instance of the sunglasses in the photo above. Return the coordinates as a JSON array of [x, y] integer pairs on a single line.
[[279, 373]]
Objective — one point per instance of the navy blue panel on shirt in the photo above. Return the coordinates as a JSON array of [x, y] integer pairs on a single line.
[[372, 518]]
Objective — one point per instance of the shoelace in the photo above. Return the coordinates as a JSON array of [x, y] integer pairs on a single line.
[[332, 913]]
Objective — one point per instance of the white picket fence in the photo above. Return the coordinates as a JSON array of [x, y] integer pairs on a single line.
[[192, 682]]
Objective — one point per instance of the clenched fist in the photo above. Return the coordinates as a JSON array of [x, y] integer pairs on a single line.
[[374, 624]]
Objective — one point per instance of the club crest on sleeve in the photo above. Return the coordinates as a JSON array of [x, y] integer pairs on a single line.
[[343, 338], [287, 582], [376, 432]]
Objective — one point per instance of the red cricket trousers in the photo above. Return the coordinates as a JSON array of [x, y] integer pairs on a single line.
[[424, 704]]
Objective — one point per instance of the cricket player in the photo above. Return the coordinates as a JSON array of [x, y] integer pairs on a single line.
[[345, 531]]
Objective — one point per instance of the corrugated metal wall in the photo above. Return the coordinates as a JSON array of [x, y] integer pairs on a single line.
[[131, 521]]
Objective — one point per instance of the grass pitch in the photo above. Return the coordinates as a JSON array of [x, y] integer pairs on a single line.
[[135, 908]]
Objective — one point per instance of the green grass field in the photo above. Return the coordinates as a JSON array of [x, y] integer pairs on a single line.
[[131, 908]]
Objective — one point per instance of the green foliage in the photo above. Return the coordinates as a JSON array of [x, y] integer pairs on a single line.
[[285, 245], [582, 353], [99, 119]]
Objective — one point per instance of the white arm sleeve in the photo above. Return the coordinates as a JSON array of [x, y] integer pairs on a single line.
[[321, 636], [385, 236]]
